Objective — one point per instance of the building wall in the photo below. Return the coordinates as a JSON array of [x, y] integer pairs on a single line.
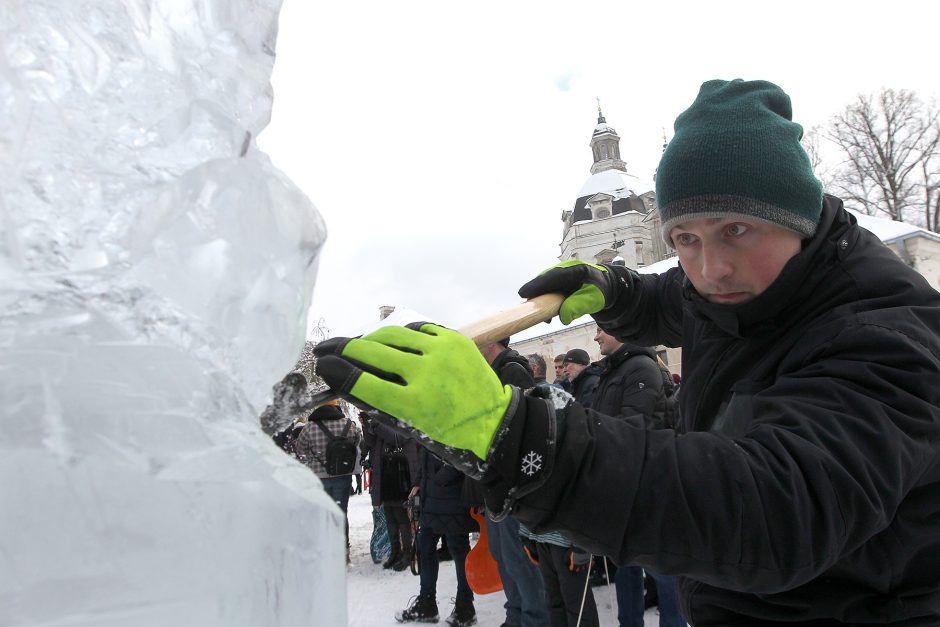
[[586, 239], [924, 254], [641, 236]]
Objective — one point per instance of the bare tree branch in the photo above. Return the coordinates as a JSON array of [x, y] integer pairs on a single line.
[[889, 143]]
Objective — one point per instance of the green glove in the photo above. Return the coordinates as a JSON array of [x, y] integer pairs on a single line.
[[589, 288], [431, 378]]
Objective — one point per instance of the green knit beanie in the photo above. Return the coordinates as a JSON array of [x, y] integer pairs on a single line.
[[737, 151]]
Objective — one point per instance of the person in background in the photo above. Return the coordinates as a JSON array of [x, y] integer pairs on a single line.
[[677, 382], [310, 448], [561, 379], [444, 514], [565, 570], [631, 384], [522, 582], [537, 365], [581, 374], [394, 461], [802, 483]]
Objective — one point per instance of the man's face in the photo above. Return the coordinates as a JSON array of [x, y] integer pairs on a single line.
[[607, 343], [573, 370], [559, 369], [732, 260]]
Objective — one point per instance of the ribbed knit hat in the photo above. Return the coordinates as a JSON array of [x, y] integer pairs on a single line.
[[577, 356], [737, 151]]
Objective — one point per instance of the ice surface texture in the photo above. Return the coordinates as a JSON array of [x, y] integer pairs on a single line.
[[155, 273]]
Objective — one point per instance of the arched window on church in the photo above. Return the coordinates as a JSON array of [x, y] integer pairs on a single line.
[[603, 151]]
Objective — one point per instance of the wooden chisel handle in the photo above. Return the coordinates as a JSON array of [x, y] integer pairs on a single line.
[[513, 320]]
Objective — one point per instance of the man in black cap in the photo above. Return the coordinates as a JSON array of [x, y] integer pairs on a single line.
[[582, 375], [802, 482]]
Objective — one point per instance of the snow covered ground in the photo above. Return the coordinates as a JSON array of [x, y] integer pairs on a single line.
[[374, 594]]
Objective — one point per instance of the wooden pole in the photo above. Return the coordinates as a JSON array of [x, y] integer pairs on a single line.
[[513, 320]]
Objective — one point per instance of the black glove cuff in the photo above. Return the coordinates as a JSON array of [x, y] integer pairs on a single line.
[[523, 454], [618, 282]]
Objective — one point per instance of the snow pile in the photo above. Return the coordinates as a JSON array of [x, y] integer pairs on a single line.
[[155, 273]]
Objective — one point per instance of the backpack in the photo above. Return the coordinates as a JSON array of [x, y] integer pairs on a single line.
[[341, 452]]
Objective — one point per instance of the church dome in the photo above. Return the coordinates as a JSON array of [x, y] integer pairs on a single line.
[[624, 190]]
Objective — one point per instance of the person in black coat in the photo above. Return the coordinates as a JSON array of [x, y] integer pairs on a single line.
[[444, 514], [632, 384], [802, 483], [582, 375], [394, 462], [630, 381], [561, 379]]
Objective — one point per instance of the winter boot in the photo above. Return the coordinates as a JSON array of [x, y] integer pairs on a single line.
[[393, 557], [463, 615], [423, 610], [403, 562]]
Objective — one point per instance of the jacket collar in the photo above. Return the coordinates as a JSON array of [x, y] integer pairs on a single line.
[[622, 354]]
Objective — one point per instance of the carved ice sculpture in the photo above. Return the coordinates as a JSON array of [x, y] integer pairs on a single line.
[[155, 274]]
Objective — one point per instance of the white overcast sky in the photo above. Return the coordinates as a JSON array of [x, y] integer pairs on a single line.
[[441, 141]]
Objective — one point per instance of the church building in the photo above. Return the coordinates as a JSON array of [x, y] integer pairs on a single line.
[[613, 220]]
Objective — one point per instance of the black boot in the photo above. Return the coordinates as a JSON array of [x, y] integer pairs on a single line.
[[403, 562], [393, 557], [423, 610], [463, 615]]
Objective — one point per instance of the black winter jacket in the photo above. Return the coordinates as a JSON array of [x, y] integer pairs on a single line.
[[630, 384], [513, 369], [803, 486], [582, 387], [443, 507], [376, 437]]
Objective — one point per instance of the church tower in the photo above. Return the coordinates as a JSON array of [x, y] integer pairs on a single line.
[[612, 219], [605, 144]]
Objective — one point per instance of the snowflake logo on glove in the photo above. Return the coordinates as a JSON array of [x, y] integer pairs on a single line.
[[531, 463]]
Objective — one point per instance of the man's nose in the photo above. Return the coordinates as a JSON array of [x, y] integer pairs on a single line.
[[716, 263]]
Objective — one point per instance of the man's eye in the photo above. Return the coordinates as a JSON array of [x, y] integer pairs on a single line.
[[684, 239], [737, 229]]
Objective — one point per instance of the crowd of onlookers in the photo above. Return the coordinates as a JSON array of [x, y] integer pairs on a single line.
[[423, 507]]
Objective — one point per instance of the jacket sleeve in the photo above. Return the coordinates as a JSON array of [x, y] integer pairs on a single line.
[[820, 468], [648, 308]]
